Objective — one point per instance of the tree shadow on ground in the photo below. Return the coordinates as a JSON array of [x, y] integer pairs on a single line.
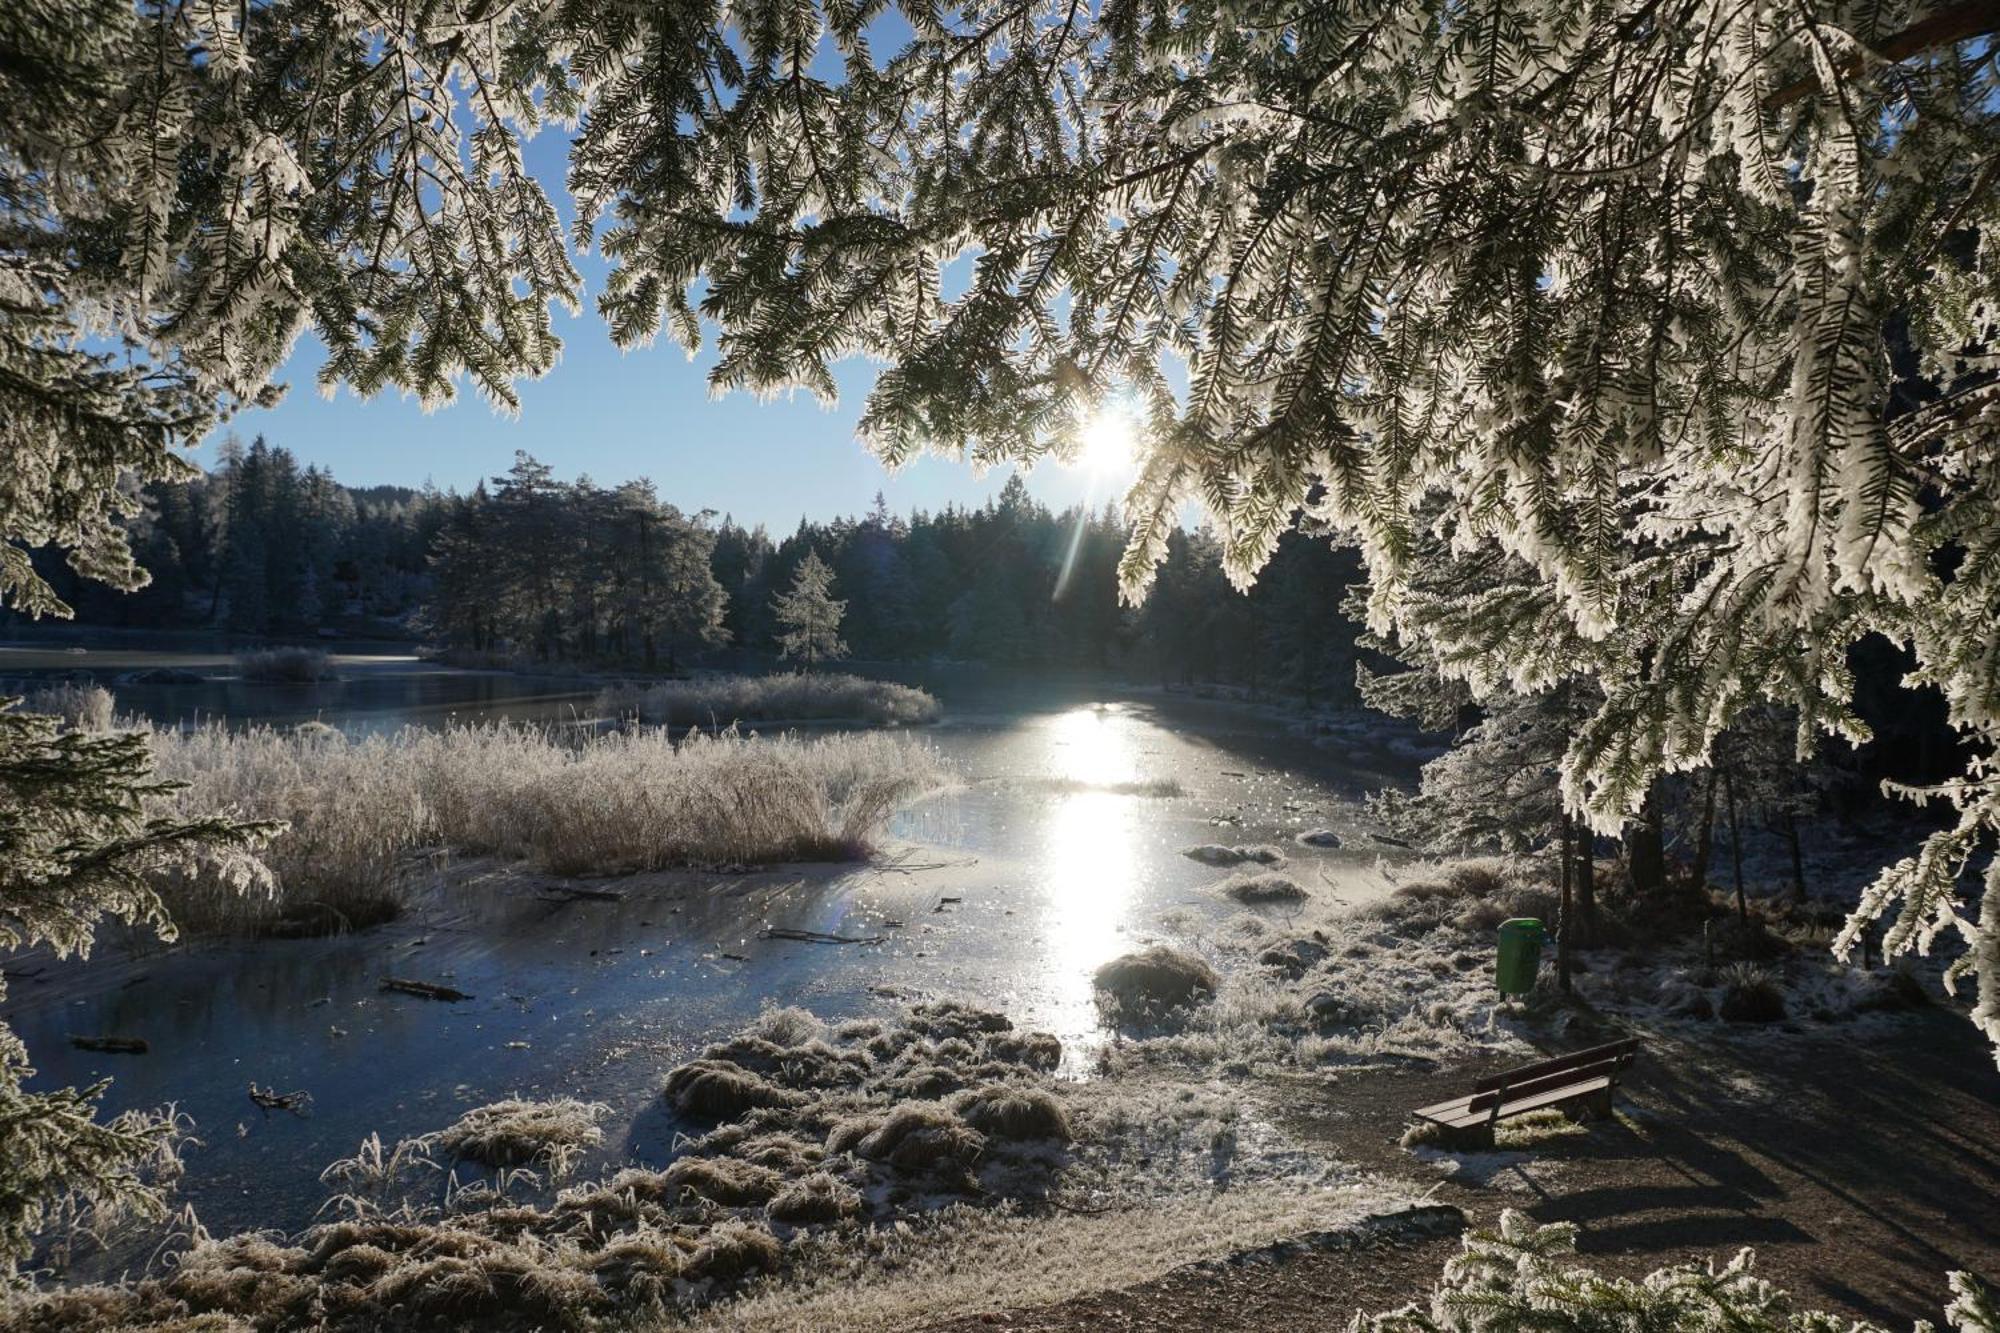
[[1862, 1161]]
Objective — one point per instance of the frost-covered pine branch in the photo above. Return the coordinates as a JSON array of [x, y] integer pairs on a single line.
[[1517, 1275], [81, 839], [1685, 308]]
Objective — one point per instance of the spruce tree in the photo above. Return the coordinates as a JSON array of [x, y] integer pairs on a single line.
[[80, 841], [808, 615]]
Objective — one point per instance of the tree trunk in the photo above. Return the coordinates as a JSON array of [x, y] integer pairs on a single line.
[[1704, 838], [1736, 847], [1586, 884], [1563, 920], [1798, 856], [1647, 845]]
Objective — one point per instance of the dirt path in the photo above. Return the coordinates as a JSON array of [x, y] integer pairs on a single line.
[[1861, 1167]]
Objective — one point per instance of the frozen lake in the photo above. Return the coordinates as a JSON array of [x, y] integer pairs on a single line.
[[1055, 852], [381, 687]]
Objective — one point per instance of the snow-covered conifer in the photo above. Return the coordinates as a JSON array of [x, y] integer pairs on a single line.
[[809, 615], [79, 842]]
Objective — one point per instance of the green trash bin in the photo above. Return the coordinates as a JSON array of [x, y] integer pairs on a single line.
[[1520, 955]]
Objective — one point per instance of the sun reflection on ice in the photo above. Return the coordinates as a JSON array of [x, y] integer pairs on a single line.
[[1090, 862]]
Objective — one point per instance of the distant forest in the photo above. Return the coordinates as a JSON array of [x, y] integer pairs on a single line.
[[531, 566]]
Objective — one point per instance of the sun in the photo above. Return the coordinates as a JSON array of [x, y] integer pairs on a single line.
[[1109, 438]]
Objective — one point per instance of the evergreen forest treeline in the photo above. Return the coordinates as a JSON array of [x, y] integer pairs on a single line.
[[530, 566]]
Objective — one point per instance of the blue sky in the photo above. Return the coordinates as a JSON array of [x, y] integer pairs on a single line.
[[616, 415]]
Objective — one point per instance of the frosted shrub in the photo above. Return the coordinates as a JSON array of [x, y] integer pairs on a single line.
[[1519, 1275], [81, 707], [790, 696], [81, 841], [287, 666], [1267, 887]]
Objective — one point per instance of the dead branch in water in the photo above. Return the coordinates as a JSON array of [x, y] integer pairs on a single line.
[[268, 1100], [896, 867], [569, 893], [818, 936], [111, 1045], [423, 989]]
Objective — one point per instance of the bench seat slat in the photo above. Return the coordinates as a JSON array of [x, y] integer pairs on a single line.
[[1443, 1109], [1461, 1117]]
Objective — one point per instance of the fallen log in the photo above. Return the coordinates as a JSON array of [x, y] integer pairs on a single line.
[[268, 1100], [570, 894], [111, 1045], [818, 936], [423, 989]]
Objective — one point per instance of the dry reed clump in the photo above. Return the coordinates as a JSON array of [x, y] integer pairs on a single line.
[[871, 1106], [1216, 854], [1034, 1050], [352, 815], [357, 808], [1267, 887], [1294, 958], [1011, 1112], [1473, 896], [724, 1180], [1750, 994], [817, 1198], [286, 666], [1153, 983], [82, 707], [943, 1020], [734, 1249], [921, 1139], [551, 1134], [841, 1153], [795, 696], [641, 801], [723, 1090]]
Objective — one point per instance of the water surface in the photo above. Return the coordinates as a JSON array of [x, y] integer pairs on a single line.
[[1054, 853]]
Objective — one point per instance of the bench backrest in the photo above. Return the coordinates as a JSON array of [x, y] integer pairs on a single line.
[[1575, 1060], [1549, 1075]]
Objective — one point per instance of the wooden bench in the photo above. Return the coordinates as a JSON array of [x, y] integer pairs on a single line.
[[1580, 1083]]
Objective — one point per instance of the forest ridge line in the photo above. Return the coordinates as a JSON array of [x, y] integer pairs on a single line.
[[534, 566]]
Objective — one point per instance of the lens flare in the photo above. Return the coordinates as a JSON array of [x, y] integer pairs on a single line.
[[1109, 439]]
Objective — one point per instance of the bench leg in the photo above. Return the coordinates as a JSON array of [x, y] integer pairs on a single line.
[[1473, 1138], [1597, 1106]]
